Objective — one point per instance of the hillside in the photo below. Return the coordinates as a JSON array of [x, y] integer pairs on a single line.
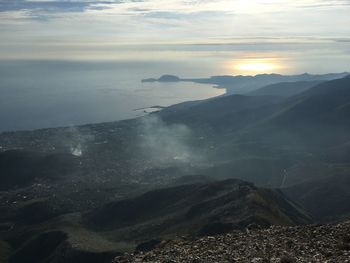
[[307, 127], [284, 89], [314, 119], [227, 111], [322, 107], [98, 234], [195, 209], [334, 193]]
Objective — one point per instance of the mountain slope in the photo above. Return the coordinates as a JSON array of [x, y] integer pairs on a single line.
[[197, 209], [284, 89], [259, 138], [324, 104], [327, 102], [227, 111], [36, 231], [319, 116], [326, 199]]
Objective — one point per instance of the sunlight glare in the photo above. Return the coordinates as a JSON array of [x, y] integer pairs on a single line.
[[255, 66]]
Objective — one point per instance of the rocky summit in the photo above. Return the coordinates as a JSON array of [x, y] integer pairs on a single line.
[[277, 244]]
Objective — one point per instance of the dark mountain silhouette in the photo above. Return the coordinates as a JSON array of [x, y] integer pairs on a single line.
[[196, 209], [40, 232]]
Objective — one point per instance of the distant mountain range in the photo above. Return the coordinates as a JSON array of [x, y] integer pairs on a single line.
[[245, 84]]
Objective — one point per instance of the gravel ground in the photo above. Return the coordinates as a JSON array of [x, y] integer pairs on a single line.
[[314, 243]]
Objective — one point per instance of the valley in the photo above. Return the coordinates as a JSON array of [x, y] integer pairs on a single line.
[[195, 169]]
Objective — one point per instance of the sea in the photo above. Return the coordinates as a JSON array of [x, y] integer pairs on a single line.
[[37, 94]]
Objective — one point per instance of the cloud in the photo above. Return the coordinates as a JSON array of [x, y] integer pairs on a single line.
[[168, 6], [322, 4], [162, 9], [45, 9], [25, 26], [47, 6]]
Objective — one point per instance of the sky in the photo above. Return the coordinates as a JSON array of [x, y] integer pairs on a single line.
[[266, 33]]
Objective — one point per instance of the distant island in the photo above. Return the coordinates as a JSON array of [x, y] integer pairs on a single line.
[[164, 78], [151, 107]]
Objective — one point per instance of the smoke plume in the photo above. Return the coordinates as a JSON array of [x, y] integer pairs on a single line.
[[165, 143]]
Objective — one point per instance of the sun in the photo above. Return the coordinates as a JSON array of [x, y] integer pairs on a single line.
[[254, 66]]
